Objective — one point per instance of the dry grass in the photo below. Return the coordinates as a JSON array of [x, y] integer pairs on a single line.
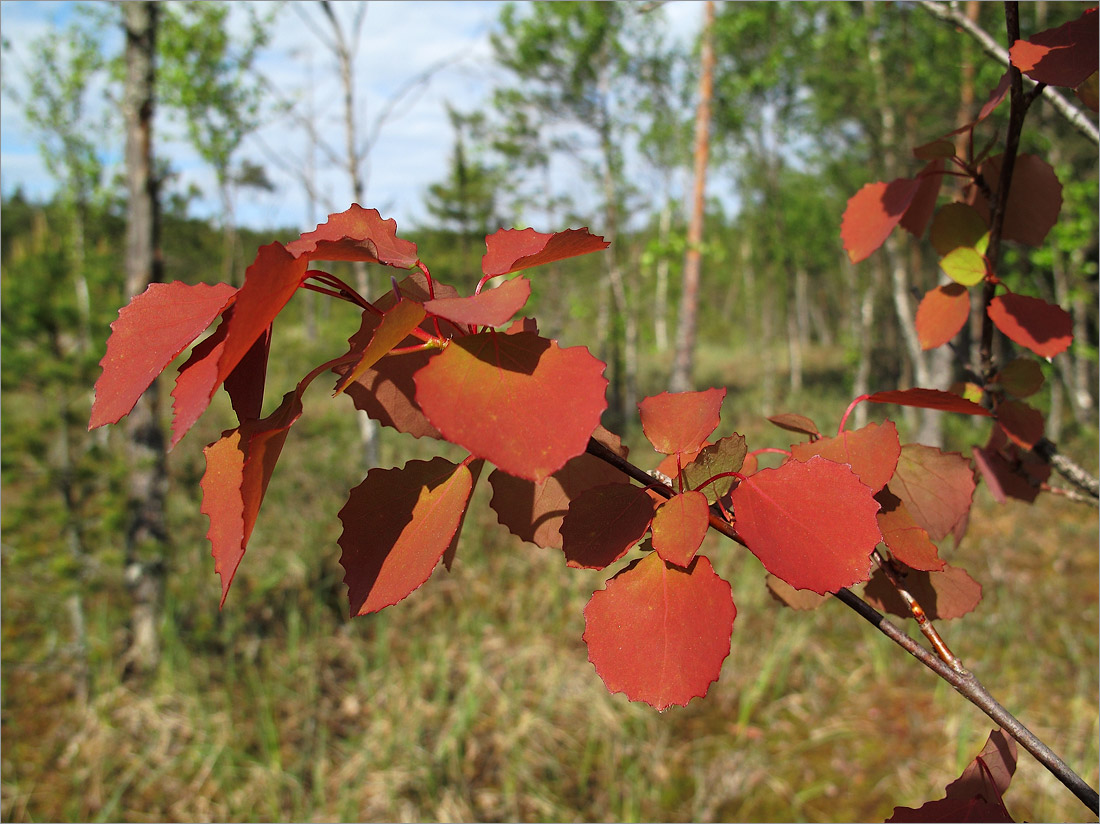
[[472, 699]]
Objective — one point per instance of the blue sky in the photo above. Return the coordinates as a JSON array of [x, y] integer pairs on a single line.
[[400, 41]]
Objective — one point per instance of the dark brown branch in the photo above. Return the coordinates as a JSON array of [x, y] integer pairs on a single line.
[[962, 680]]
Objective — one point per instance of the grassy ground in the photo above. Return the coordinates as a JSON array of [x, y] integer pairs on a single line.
[[473, 698]]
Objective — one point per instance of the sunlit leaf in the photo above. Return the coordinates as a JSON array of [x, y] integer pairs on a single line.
[[396, 324], [904, 537], [930, 399], [964, 265], [871, 451], [1045, 329], [942, 314], [493, 307], [1064, 56], [149, 334], [356, 234], [873, 212], [518, 401], [813, 524], [510, 250], [659, 633], [916, 217], [679, 526], [397, 525], [681, 421]]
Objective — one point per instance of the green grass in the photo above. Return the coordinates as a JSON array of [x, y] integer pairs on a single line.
[[473, 698]]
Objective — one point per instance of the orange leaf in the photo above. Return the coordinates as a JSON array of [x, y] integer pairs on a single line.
[[871, 451], [493, 307], [356, 234], [509, 250], [679, 526], [942, 314], [681, 421], [1045, 329]]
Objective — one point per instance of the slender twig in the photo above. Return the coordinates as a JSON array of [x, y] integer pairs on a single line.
[[948, 14], [962, 680]]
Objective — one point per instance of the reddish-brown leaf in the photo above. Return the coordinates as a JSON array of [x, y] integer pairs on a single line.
[[873, 212], [269, 283], [795, 423], [659, 633], [509, 250], [1034, 199], [976, 795], [906, 539], [534, 511], [1064, 56], [679, 526], [916, 217], [872, 452], [603, 523], [1022, 423], [356, 234], [936, 487], [943, 594], [149, 334], [238, 468], [1021, 377], [942, 314], [493, 307], [813, 524], [799, 599], [1008, 471], [681, 421], [397, 323], [397, 525], [1045, 329], [930, 399], [518, 401]]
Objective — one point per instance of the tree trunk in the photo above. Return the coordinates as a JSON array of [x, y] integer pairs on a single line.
[[147, 534], [660, 297], [684, 359]]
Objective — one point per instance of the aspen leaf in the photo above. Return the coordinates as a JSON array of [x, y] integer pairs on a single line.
[[793, 422], [943, 594], [398, 523], [1045, 329], [603, 523], [535, 511], [510, 250], [681, 421], [916, 217], [397, 323], [1064, 56], [356, 234], [873, 212], [239, 466], [904, 537], [930, 399], [503, 397], [679, 526], [1022, 423], [811, 523], [942, 314], [493, 307], [727, 455], [1021, 377], [965, 265], [956, 225], [872, 451], [1034, 200], [936, 487], [659, 633], [150, 332]]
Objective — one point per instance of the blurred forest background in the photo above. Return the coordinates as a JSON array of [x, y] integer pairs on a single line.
[[127, 694]]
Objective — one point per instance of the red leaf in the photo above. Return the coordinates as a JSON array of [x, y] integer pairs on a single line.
[[812, 524], [660, 633], [1022, 423], [936, 487], [916, 217], [238, 468], [269, 283], [872, 452], [1034, 199], [944, 594], [356, 234], [245, 384], [397, 323], [534, 511], [509, 250], [930, 399], [795, 423], [1045, 329], [149, 334], [1008, 471], [907, 540], [873, 212], [1064, 56], [518, 401], [681, 421], [603, 523], [386, 391], [397, 525], [679, 526], [942, 314], [493, 307]]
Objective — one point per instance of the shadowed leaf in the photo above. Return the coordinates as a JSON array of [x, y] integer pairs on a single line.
[[930, 399], [509, 250], [1064, 56], [1045, 329], [493, 307], [944, 594], [936, 487], [603, 523], [905, 538], [1034, 199], [873, 212], [727, 455], [356, 234]]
